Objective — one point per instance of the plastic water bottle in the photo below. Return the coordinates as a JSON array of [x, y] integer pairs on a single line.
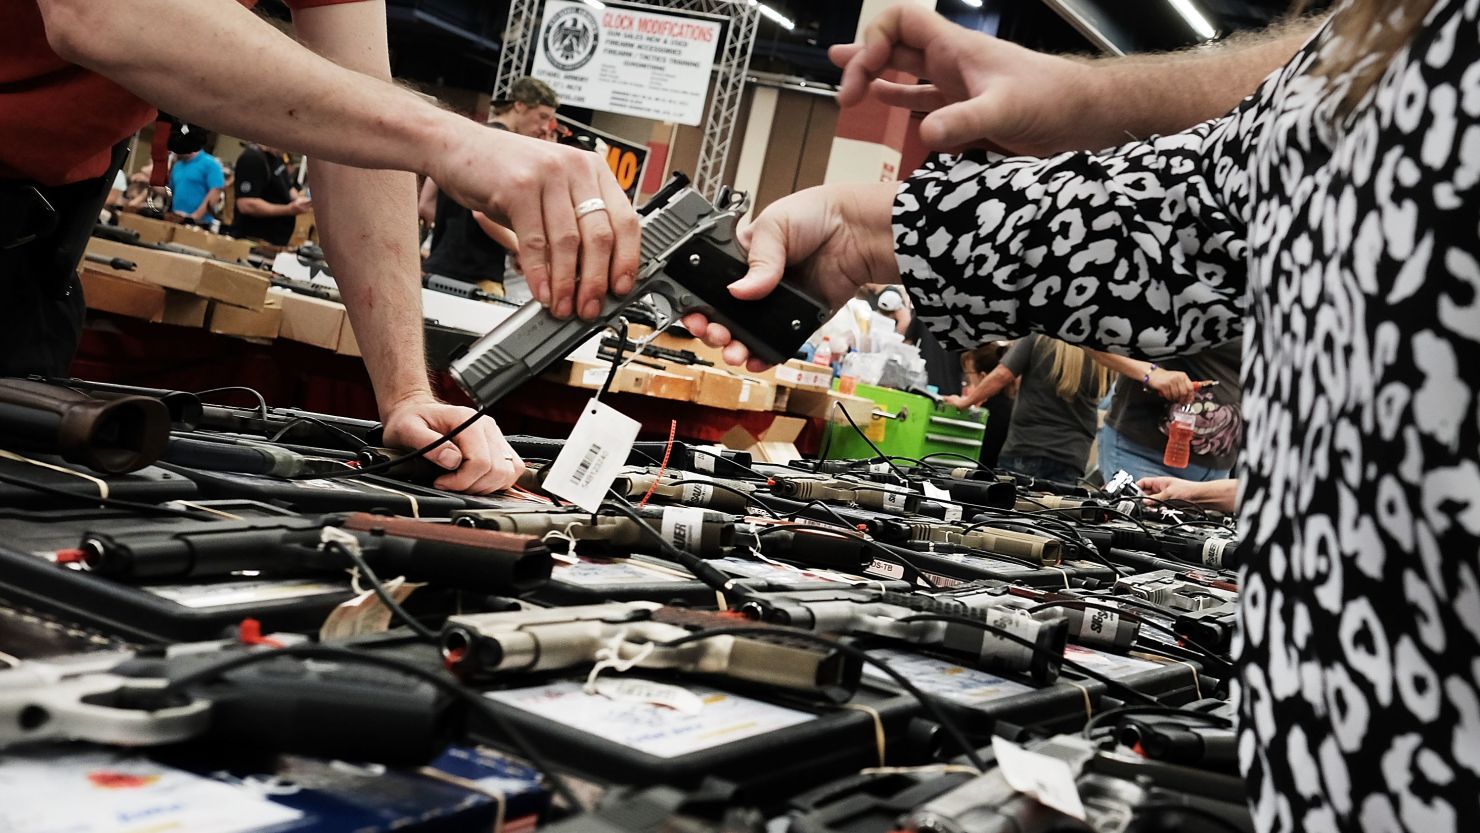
[[824, 354], [1179, 439]]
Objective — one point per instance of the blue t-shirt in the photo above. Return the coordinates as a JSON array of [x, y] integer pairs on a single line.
[[191, 179]]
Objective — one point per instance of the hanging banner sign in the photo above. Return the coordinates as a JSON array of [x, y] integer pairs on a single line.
[[626, 59], [626, 159]]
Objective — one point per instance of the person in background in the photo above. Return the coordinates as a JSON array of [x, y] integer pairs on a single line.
[[942, 368], [196, 178], [267, 201], [1134, 436], [466, 245], [976, 364], [1053, 425], [1221, 495]]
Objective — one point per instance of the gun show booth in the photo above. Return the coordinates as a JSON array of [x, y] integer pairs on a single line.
[[874, 551]]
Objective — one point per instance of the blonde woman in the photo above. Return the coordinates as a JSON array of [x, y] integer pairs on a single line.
[[1053, 421], [1332, 220]]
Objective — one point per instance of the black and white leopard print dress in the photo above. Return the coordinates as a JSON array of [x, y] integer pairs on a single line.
[[1349, 259]]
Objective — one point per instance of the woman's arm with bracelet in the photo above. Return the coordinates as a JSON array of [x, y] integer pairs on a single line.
[[1173, 385]]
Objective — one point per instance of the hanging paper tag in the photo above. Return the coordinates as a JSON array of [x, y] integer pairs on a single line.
[[631, 690], [365, 613], [682, 525], [1049, 780], [592, 457], [934, 492]]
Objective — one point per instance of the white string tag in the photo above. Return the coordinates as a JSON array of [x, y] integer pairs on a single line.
[[1048, 779], [594, 455]]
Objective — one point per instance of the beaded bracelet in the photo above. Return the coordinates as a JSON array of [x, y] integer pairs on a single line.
[[1146, 380]]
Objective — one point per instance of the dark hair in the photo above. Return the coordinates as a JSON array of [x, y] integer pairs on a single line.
[[532, 92]]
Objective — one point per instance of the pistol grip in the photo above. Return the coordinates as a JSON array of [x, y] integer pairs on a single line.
[[774, 327]]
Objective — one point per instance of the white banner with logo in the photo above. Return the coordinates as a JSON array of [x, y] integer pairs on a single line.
[[626, 59]]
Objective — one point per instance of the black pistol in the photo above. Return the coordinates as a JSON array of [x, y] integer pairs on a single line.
[[689, 259]]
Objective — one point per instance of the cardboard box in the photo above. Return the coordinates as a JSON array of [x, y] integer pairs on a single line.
[[647, 381], [265, 323], [109, 291], [830, 405], [347, 346], [185, 310], [311, 320], [150, 230], [799, 374], [217, 245], [224, 282], [776, 444]]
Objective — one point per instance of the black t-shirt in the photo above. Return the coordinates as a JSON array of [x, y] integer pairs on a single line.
[[942, 368], [461, 249], [1141, 416], [263, 177], [1045, 424]]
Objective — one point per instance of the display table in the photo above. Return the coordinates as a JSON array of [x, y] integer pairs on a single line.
[[125, 350]]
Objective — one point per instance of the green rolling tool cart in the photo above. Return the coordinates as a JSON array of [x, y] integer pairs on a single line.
[[908, 425]]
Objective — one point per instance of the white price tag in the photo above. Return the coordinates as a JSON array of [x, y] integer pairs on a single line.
[[1049, 780], [934, 492], [682, 525], [592, 457]]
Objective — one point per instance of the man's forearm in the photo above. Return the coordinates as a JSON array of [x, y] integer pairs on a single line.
[[317, 107], [205, 204], [1169, 92], [258, 207], [367, 221]]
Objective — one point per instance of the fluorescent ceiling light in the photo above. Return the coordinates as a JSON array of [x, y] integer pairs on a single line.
[[1195, 18], [781, 20], [975, 4]]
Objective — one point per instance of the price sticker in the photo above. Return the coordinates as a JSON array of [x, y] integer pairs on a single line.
[[593, 456], [682, 525]]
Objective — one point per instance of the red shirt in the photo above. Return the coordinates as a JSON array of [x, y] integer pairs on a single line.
[[58, 121]]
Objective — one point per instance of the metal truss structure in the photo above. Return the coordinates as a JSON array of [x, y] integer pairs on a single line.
[[731, 66]]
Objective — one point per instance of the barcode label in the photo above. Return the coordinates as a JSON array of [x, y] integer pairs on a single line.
[[593, 456], [590, 464]]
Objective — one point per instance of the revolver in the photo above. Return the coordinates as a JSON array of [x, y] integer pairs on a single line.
[[889, 615], [483, 645], [689, 259]]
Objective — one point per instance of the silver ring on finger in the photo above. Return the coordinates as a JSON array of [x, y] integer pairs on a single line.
[[590, 206]]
